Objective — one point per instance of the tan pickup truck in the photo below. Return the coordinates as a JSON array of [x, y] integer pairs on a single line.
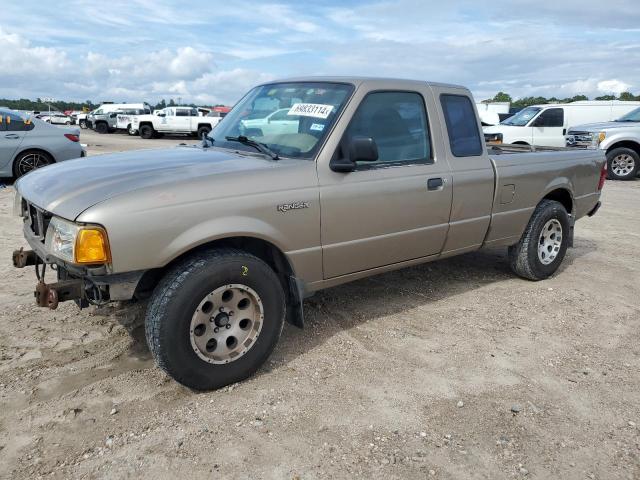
[[351, 177]]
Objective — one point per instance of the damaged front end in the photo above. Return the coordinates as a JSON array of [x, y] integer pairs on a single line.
[[80, 256]]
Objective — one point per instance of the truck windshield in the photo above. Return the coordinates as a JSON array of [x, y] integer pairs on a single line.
[[632, 116], [291, 119], [521, 118]]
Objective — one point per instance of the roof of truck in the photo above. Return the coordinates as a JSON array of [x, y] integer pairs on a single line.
[[360, 80]]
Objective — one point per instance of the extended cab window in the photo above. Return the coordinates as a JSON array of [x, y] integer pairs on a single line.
[[462, 125], [397, 122], [552, 117]]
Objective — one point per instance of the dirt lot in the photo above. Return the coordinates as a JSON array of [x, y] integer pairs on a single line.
[[450, 370]]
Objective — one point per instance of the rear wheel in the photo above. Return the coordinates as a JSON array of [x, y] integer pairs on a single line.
[[102, 127], [202, 131], [67, 122], [215, 318], [30, 160], [146, 131], [131, 130], [622, 164], [544, 242]]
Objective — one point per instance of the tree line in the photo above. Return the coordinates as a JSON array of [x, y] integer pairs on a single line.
[[527, 101]]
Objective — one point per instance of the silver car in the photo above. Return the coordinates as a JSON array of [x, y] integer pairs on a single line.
[[27, 144]]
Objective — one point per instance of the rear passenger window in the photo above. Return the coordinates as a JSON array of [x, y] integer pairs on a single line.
[[462, 126], [15, 123], [397, 122]]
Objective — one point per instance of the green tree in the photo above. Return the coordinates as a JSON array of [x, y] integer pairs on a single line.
[[628, 96], [606, 97], [500, 97]]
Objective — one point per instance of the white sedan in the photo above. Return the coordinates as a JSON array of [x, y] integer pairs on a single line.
[[276, 123], [56, 119]]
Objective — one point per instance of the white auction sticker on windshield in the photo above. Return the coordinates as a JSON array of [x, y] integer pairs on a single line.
[[315, 110]]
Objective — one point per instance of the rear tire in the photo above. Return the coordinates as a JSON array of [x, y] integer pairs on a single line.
[[177, 324], [622, 164], [202, 131], [102, 128], [30, 160], [146, 131], [544, 242]]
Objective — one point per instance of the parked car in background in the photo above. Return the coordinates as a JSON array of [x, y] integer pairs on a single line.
[[125, 116], [56, 118], [547, 125], [620, 140], [490, 112], [27, 143], [278, 121], [103, 119], [227, 238], [180, 120]]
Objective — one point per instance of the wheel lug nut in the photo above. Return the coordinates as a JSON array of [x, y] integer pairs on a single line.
[[228, 326], [216, 330]]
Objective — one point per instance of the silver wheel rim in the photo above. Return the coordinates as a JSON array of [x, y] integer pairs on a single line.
[[550, 241], [226, 324], [622, 165], [31, 162]]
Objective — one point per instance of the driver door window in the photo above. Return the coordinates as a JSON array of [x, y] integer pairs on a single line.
[[397, 122]]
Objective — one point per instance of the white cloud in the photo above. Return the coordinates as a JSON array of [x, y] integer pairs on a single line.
[[613, 86]]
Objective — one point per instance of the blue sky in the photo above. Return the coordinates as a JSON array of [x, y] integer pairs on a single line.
[[212, 52]]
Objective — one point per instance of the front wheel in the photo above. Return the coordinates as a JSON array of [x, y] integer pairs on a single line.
[[544, 242], [622, 164], [146, 131], [132, 131], [102, 128], [214, 318], [202, 131], [83, 124]]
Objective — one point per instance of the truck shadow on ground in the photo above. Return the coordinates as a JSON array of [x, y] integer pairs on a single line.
[[342, 308]]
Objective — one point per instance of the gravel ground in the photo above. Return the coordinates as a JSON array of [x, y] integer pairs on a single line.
[[454, 369]]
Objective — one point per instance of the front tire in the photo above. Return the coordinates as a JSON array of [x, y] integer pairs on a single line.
[[146, 131], [83, 124], [102, 128], [131, 131], [202, 131], [214, 318], [622, 164], [544, 242]]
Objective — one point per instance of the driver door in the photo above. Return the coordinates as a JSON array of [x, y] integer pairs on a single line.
[[396, 208], [548, 128]]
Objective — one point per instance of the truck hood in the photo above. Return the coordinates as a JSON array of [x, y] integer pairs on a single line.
[[68, 188], [598, 127]]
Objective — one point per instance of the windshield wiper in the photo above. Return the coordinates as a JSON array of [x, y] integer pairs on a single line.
[[261, 147], [207, 141]]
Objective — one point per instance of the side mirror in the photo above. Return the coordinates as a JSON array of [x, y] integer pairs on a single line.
[[362, 149], [358, 149], [162, 114]]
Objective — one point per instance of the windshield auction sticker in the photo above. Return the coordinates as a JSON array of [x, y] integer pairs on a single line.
[[315, 110]]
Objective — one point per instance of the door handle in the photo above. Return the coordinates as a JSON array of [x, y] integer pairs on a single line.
[[435, 183], [12, 135]]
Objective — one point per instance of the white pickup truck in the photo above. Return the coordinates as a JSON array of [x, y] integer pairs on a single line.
[[182, 120]]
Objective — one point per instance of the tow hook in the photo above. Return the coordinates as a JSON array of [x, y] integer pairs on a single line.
[[23, 259], [49, 296]]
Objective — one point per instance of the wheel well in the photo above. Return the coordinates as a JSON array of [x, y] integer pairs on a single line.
[[626, 144], [200, 125], [262, 249], [563, 196], [520, 143], [142, 124]]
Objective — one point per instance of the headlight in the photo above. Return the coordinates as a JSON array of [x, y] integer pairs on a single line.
[[17, 204], [493, 138], [76, 243]]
